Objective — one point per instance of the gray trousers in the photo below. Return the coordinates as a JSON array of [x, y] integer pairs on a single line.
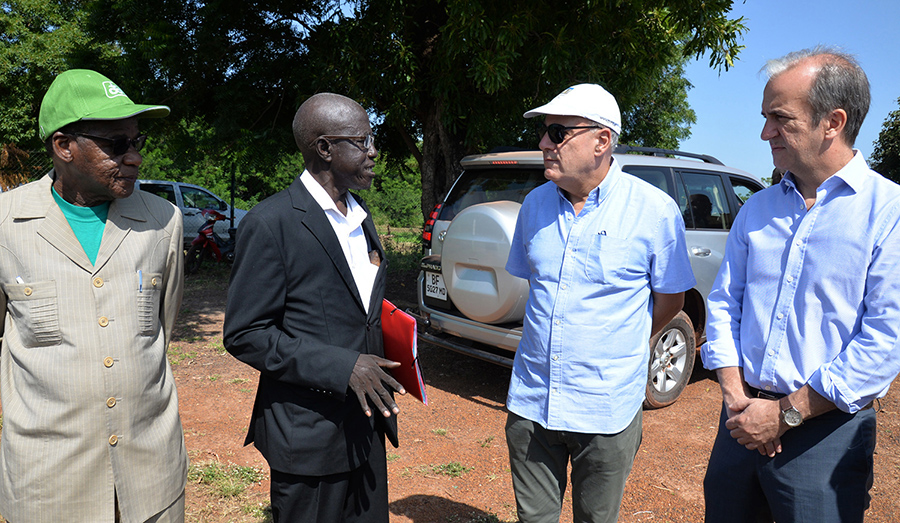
[[600, 465]]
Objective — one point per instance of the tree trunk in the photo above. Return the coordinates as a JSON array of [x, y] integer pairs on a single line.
[[441, 153]]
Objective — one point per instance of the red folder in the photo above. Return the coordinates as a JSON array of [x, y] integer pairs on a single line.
[[399, 331]]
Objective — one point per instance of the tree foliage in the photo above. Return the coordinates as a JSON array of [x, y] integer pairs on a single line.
[[441, 78], [460, 73], [38, 40], [886, 156]]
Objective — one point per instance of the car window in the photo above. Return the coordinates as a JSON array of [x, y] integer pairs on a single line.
[[655, 176], [744, 189], [162, 190], [490, 185], [708, 206], [200, 199]]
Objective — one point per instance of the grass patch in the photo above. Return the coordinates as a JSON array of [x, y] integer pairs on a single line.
[[218, 346], [225, 480], [486, 442], [439, 432], [454, 469], [177, 355]]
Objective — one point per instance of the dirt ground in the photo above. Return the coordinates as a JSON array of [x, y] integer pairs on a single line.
[[452, 465]]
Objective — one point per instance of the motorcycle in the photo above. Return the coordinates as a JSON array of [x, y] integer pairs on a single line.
[[208, 245]]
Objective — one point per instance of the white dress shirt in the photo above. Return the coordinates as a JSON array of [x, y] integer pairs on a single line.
[[348, 230]]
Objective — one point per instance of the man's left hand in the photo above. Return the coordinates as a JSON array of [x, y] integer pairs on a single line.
[[758, 426]]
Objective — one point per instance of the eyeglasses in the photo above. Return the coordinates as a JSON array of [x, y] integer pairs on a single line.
[[557, 133], [364, 142], [120, 144]]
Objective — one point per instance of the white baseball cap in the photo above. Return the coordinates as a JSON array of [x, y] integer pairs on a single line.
[[587, 101]]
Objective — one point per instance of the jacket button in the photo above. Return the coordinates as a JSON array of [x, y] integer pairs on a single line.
[[111, 402], [153, 282], [98, 282], [27, 291], [107, 362], [103, 321], [113, 440]]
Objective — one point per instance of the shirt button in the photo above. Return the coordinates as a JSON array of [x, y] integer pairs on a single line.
[[564, 286], [107, 362], [771, 353], [103, 321], [27, 291], [768, 387], [98, 282], [780, 315], [798, 243], [111, 402], [113, 440], [555, 358], [790, 279], [557, 322]]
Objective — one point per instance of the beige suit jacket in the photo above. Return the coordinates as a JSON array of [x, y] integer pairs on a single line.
[[89, 402]]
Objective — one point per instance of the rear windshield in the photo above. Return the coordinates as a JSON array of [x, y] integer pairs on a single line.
[[490, 185]]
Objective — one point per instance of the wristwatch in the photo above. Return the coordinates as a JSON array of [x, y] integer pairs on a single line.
[[789, 414]]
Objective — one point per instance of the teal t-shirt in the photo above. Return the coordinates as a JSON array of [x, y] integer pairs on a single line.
[[86, 222]]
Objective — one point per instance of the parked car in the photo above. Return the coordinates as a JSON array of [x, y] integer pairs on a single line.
[[470, 304], [192, 199]]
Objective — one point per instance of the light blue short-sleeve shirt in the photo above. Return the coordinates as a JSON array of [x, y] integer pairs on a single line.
[[582, 363]]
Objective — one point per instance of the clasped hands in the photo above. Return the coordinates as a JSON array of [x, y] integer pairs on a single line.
[[756, 424], [368, 380]]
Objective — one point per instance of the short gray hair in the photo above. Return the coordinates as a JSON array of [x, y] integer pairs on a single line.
[[840, 83]]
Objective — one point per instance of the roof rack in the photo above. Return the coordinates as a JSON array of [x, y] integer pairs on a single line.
[[655, 151]]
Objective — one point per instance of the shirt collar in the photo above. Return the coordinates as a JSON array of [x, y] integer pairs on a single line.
[[321, 196], [854, 174], [600, 192]]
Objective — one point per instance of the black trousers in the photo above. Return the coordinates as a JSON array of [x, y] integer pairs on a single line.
[[358, 496]]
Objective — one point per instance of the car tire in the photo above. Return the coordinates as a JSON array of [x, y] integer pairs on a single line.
[[193, 259], [672, 354]]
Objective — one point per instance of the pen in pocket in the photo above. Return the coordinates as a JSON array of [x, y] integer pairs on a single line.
[[19, 280], [140, 281]]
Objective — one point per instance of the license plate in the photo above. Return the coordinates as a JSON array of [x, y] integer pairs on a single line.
[[434, 286]]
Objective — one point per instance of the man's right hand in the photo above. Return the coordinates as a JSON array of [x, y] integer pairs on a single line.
[[368, 381]]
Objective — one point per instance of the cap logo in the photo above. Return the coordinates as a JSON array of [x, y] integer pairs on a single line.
[[113, 90]]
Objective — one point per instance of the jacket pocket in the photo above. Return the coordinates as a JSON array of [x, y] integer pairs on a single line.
[[34, 308], [148, 305]]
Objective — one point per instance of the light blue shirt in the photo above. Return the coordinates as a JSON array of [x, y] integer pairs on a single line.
[[813, 296], [582, 363]]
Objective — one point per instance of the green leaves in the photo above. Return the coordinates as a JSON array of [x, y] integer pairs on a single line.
[[886, 155]]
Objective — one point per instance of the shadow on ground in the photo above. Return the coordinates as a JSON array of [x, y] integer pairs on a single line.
[[428, 509]]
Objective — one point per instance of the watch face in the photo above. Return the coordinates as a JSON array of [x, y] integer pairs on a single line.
[[792, 417]]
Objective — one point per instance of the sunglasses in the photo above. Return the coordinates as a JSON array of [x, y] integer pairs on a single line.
[[120, 144], [364, 142], [557, 133]]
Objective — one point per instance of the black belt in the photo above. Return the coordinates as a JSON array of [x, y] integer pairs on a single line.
[[766, 395]]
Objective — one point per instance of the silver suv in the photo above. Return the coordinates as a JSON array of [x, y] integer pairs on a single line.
[[470, 304]]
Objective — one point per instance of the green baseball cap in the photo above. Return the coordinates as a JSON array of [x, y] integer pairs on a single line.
[[80, 94]]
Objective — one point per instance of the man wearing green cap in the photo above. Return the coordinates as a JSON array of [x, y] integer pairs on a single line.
[[90, 283]]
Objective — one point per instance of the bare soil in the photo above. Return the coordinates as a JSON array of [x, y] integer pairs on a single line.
[[452, 462]]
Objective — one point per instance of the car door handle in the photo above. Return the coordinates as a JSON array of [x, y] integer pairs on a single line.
[[700, 252]]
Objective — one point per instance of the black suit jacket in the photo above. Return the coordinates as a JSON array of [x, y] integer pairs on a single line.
[[295, 314]]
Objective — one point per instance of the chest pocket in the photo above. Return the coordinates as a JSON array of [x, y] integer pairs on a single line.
[[148, 304], [34, 309], [607, 258]]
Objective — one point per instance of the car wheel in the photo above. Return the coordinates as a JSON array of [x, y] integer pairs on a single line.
[[672, 354], [193, 259]]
